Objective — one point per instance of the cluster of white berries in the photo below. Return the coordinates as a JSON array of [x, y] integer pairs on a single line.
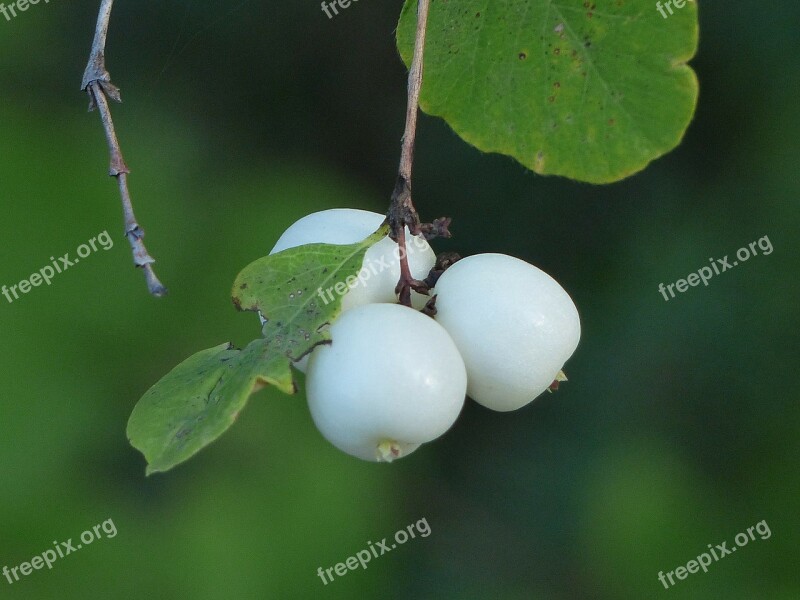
[[394, 378]]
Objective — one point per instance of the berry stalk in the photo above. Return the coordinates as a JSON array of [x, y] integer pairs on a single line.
[[402, 212]]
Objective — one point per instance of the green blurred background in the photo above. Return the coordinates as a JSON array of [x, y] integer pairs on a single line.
[[679, 426]]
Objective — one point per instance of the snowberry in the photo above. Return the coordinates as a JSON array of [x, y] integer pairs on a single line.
[[514, 325], [391, 379], [381, 267]]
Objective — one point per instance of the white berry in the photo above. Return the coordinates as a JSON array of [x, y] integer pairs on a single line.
[[514, 325], [381, 267], [392, 379]]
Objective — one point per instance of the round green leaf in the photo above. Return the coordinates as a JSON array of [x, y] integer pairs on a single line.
[[593, 91]]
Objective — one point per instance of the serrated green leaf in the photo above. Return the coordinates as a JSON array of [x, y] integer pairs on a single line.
[[199, 400], [593, 91], [285, 288]]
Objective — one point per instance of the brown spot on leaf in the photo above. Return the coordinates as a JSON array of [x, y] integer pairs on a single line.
[[539, 162]]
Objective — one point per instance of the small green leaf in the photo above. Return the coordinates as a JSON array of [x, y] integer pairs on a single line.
[[593, 91], [285, 288], [171, 422], [199, 400]]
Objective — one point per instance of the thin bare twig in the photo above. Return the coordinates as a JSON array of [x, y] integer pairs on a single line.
[[401, 211], [97, 83]]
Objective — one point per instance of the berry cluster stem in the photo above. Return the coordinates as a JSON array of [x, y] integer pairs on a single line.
[[402, 212]]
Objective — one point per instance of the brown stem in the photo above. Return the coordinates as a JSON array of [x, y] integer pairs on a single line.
[[407, 281], [401, 210], [97, 83]]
